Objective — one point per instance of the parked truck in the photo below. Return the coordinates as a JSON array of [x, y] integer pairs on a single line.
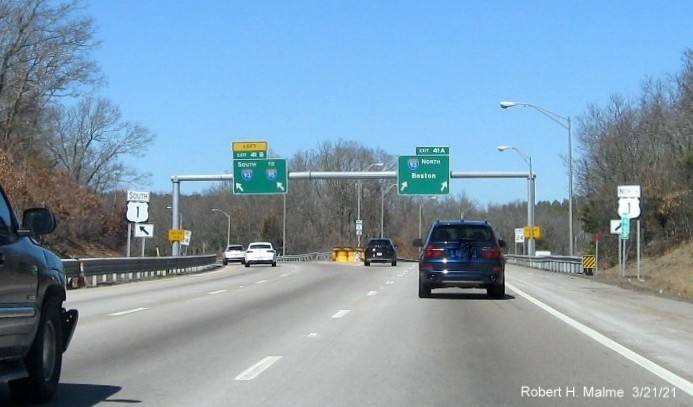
[[35, 329]]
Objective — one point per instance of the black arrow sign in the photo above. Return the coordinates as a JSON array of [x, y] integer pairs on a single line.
[[144, 230]]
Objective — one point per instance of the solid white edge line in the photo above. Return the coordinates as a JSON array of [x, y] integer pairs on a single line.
[[217, 292], [257, 369], [658, 370], [130, 311]]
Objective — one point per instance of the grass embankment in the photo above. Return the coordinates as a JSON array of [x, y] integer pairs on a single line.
[[670, 274]]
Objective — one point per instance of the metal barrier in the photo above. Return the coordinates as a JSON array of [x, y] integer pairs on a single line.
[[95, 271], [316, 256], [558, 264]]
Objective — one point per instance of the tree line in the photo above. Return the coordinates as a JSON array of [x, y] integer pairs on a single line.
[[62, 145]]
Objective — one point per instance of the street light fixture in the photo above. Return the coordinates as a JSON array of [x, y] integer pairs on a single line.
[[530, 198], [563, 121], [228, 229], [358, 199], [382, 207]]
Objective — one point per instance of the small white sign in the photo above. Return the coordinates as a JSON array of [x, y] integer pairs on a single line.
[[138, 196], [615, 227], [629, 191], [186, 239], [519, 235], [144, 230]]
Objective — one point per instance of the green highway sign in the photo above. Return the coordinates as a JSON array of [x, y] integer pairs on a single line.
[[260, 176], [423, 175], [432, 150], [249, 155]]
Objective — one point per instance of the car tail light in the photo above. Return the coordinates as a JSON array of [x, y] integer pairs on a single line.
[[433, 251], [493, 252]]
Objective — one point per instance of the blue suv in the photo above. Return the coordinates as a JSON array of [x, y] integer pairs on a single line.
[[464, 254]]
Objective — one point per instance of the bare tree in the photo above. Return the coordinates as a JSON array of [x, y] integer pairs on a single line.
[[44, 53], [89, 140]]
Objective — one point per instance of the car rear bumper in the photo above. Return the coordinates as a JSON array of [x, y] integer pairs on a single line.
[[461, 279], [260, 260], [383, 259]]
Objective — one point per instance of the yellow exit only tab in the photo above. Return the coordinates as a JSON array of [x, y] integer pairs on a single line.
[[249, 146]]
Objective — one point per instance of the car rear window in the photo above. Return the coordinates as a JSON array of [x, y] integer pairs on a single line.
[[448, 233], [260, 246], [380, 243], [235, 247]]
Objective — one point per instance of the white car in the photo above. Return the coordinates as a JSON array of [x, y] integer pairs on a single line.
[[234, 252], [260, 253]]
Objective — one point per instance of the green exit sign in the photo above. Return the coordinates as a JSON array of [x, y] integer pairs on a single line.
[[262, 176], [432, 150], [423, 175]]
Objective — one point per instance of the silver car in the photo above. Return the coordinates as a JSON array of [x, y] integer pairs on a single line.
[[234, 252]]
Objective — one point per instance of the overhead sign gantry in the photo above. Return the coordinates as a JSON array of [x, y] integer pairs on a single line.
[[253, 173]]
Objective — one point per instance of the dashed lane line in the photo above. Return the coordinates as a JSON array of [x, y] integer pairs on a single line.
[[130, 311], [258, 368]]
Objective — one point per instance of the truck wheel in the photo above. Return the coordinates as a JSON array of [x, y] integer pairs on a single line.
[[44, 360]]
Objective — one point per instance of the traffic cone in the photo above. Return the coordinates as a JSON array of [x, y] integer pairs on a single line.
[[81, 280]]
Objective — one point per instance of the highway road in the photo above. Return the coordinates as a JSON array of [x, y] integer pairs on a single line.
[[341, 334]]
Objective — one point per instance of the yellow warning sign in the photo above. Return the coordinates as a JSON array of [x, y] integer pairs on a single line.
[[534, 232], [176, 235]]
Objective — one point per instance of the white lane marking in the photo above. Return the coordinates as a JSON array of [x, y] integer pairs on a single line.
[[312, 335], [372, 293], [261, 281], [130, 311], [217, 292], [285, 275], [642, 361], [390, 282], [257, 369], [341, 313]]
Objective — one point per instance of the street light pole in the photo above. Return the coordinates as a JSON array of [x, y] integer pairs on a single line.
[[420, 212], [358, 200], [531, 250], [382, 207], [564, 122], [228, 228]]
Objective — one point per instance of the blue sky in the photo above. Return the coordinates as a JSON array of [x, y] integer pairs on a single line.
[[387, 74]]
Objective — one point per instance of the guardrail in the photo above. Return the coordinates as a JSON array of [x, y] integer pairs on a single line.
[[95, 271], [316, 256], [559, 264], [117, 269]]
